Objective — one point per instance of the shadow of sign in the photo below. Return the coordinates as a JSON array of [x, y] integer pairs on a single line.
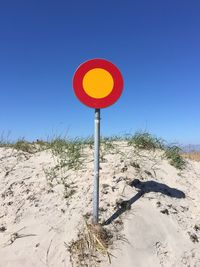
[[145, 187]]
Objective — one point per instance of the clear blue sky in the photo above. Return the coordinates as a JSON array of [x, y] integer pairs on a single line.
[[156, 45]]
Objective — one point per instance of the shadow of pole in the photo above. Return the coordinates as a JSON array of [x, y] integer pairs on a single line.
[[145, 187], [126, 206]]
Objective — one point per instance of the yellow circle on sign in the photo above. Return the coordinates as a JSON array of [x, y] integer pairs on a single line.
[[98, 83]]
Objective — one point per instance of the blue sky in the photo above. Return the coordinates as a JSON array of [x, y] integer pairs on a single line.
[[156, 45]]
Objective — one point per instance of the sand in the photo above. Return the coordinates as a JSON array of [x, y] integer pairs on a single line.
[[153, 206]]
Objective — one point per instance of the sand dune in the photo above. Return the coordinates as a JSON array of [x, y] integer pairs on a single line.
[[145, 200]]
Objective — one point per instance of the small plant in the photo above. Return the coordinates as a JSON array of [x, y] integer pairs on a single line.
[[50, 176], [108, 145], [68, 153], [24, 146], [144, 140], [55, 176], [175, 159], [89, 141], [68, 156], [68, 191], [69, 188]]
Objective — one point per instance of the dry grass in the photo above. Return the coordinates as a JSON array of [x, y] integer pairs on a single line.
[[192, 155], [91, 245], [16, 235]]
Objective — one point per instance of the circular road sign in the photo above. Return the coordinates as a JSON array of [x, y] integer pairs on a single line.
[[98, 83]]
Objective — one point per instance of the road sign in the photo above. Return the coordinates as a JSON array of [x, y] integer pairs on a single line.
[[98, 83]]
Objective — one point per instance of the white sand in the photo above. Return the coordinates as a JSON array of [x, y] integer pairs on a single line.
[[45, 221]]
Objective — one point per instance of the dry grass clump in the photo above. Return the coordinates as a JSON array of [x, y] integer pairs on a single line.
[[92, 243], [192, 155]]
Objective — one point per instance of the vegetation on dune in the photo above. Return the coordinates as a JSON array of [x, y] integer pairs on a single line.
[[145, 140], [68, 155], [20, 144], [69, 151], [24, 146], [94, 241], [175, 158]]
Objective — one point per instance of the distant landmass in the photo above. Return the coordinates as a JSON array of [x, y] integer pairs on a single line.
[[190, 148]]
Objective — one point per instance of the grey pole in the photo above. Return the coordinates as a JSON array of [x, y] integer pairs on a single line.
[[96, 166]]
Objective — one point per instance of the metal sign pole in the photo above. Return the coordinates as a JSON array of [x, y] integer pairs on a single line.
[[97, 83], [96, 166]]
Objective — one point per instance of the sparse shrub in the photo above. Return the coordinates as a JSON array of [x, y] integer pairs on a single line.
[[68, 156], [144, 140], [175, 159], [54, 177], [24, 146], [67, 152]]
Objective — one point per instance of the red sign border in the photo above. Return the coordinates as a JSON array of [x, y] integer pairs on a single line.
[[98, 102]]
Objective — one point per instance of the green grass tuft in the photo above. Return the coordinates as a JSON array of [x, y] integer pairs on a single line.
[[172, 153], [145, 140], [68, 152], [24, 146]]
